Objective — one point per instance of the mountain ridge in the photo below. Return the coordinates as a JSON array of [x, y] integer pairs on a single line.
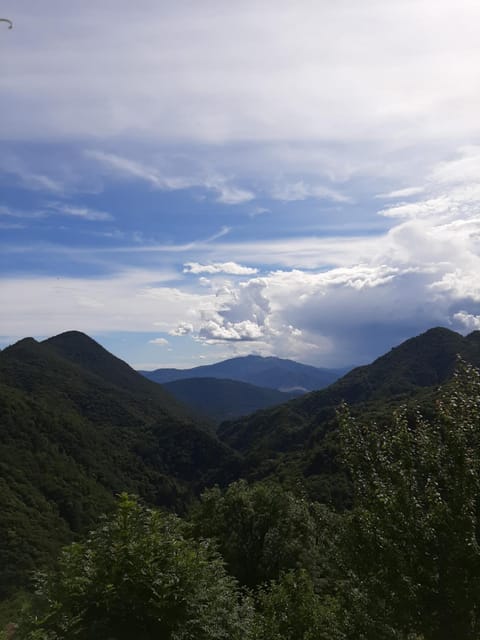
[[270, 372], [301, 435], [70, 440], [221, 399]]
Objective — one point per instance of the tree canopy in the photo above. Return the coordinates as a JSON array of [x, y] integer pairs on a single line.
[[412, 542], [138, 576]]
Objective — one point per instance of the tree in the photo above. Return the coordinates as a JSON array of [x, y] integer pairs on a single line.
[[138, 576], [411, 546], [263, 530], [290, 609]]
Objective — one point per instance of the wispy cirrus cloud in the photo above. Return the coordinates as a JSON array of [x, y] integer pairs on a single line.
[[231, 268], [300, 190], [86, 213], [226, 193], [401, 193], [11, 212], [57, 208]]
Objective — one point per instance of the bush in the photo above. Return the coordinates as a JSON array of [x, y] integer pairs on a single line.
[[139, 577]]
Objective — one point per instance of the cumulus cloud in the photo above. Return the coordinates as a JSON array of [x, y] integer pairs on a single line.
[[422, 272], [231, 268], [334, 301], [182, 329], [471, 322], [212, 332]]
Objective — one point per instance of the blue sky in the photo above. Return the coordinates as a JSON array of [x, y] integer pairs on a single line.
[[191, 181]]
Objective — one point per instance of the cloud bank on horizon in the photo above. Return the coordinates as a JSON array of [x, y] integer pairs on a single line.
[[297, 179]]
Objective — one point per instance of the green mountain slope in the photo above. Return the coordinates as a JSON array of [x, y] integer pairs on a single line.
[[70, 440], [222, 400], [299, 437], [80, 349]]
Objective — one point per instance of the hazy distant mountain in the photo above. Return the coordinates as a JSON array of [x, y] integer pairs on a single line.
[[273, 373], [220, 399]]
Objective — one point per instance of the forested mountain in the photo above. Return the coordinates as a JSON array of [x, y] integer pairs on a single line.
[[409, 540], [299, 437], [273, 373], [220, 400], [78, 426]]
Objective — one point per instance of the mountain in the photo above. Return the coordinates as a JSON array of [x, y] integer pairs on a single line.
[[78, 426], [273, 373], [221, 400], [301, 433]]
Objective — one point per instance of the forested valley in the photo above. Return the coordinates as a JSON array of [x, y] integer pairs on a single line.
[[351, 512]]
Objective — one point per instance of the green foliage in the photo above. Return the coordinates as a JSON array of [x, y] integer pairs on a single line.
[[138, 576], [291, 610], [295, 439], [412, 543], [263, 530]]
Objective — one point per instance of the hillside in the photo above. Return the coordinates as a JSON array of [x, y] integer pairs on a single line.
[[273, 373], [221, 400], [71, 439], [300, 435], [78, 426]]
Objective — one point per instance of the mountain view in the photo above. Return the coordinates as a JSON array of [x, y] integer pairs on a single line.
[[240, 386], [240, 320], [79, 426], [273, 373]]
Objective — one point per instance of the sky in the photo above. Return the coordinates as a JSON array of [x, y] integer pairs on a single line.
[[191, 181]]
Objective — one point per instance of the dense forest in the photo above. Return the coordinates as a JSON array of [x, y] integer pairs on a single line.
[[313, 520]]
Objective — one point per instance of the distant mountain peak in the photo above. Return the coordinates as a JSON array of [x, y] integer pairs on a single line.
[[262, 371], [421, 362], [73, 338], [23, 342]]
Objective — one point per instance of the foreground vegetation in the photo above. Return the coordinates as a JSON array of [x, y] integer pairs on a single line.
[[255, 561]]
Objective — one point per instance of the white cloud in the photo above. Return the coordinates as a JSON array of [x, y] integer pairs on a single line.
[[13, 166], [464, 168], [136, 301], [213, 332], [357, 88], [226, 192], [401, 193], [16, 213], [335, 300], [231, 268], [183, 72], [58, 208], [159, 342], [471, 322], [182, 329], [79, 212], [291, 192]]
